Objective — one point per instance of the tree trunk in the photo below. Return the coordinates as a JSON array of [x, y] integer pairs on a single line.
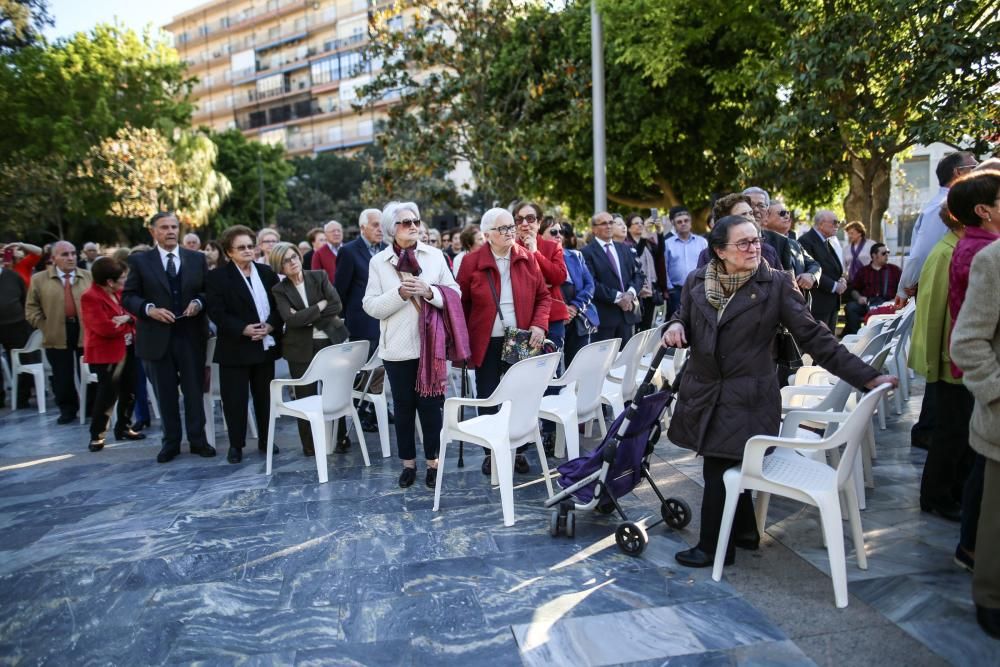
[[868, 196]]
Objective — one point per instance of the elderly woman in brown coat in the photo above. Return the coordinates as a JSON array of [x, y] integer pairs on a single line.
[[730, 310]]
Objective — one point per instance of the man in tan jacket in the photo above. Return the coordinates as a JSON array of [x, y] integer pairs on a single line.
[[53, 307]]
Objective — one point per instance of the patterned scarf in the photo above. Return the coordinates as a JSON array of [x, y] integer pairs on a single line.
[[721, 286], [407, 259]]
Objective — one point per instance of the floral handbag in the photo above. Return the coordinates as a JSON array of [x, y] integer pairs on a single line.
[[515, 341]]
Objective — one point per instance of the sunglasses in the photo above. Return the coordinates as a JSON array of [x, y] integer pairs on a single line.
[[408, 223], [242, 248], [530, 219], [784, 214], [554, 231]]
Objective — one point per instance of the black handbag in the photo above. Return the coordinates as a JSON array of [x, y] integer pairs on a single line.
[[787, 351], [516, 345]]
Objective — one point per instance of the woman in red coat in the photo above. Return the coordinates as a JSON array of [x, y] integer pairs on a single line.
[[108, 330], [502, 286]]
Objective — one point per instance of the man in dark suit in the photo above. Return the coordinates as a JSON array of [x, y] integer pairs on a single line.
[[826, 293], [351, 280], [165, 290], [617, 281], [793, 256]]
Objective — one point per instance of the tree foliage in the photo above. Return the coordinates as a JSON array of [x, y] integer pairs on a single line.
[[325, 187], [252, 168], [22, 22]]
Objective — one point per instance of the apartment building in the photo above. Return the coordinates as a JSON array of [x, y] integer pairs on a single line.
[[282, 71]]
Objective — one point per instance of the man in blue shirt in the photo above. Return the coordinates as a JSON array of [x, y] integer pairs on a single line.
[[680, 252]]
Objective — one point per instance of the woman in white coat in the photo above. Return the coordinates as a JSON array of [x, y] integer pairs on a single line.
[[403, 279]]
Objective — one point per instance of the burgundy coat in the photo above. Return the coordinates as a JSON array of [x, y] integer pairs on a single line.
[[531, 296], [324, 260], [729, 391]]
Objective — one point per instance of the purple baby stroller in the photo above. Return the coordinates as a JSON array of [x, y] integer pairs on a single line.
[[617, 466]]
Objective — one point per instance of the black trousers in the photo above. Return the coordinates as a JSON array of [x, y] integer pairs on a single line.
[[115, 382], [825, 310], [648, 309], [489, 373], [713, 502], [65, 368], [13, 336], [296, 370], [949, 458], [574, 342], [365, 408], [622, 330], [407, 404], [236, 385], [183, 366], [924, 428]]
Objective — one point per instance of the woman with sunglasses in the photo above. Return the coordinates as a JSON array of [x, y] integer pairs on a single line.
[[730, 311], [502, 287], [548, 254], [577, 290], [404, 280], [241, 305]]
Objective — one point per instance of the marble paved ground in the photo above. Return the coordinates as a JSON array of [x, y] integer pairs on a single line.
[[111, 558]]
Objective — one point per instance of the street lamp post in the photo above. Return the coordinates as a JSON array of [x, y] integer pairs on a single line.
[[597, 68]]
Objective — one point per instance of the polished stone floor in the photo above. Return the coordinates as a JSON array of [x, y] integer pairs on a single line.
[[111, 558]]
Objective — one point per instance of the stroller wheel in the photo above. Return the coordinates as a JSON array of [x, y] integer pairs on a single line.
[[554, 523], [570, 524], [631, 538], [676, 513]]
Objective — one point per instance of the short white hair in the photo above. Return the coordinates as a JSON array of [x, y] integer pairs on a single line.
[[89, 244], [389, 216], [363, 218], [192, 235], [492, 217], [754, 190], [822, 214], [333, 224]]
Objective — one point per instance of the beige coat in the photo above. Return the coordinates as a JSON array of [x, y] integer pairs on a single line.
[[45, 308], [975, 348]]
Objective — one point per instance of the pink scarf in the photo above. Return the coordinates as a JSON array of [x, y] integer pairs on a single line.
[[443, 337]]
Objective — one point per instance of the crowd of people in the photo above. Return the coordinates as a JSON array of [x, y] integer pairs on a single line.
[[422, 297]]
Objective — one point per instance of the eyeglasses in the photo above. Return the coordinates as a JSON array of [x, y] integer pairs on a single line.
[[242, 248], [408, 223], [290, 259], [966, 167], [505, 230], [530, 219], [744, 244], [553, 231], [604, 223], [883, 253]]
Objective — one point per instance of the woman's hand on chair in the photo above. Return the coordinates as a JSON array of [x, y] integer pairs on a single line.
[[882, 379], [537, 336], [675, 336]]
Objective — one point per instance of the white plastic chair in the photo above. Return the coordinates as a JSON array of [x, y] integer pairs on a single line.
[[8, 379], [334, 368], [36, 369], [379, 401], [84, 377], [898, 360], [579, 401], [518, 396], [791, 475], [620, 386], [210, 397]]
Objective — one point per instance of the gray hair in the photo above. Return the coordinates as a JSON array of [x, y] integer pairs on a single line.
[[268, 230], [187, 236], [89, 244], [822, 214], [492, 217], [754, 190], [363, 218], [331, 225], [389, 216]]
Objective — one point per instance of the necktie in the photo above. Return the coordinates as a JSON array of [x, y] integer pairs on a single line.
[[614, 265], [68, 297], [171, 267]]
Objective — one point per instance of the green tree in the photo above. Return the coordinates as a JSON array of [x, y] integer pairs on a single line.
[[258, 174], [201, 189], [860, 82], [325, 187], [21, 23]]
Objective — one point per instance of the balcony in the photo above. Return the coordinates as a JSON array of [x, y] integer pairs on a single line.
[[278, 115], [256, 16], [338, 44]]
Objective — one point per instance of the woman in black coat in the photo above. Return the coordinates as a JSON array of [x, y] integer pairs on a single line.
[[730, 311], [242, 307], [310, 308]]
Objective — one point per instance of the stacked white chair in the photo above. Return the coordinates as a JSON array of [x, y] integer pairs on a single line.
[[8, 379], [334, 368], [579, 400], [517, 396], [379, 400], [787, 473], [213, 395], [621, 382], [36, 369]]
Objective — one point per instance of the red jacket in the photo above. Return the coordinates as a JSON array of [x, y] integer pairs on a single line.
[[531, 296], [553, 266], [324, 260], [103, 342]]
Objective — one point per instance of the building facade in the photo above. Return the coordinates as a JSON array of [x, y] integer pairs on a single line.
[[282, 71]]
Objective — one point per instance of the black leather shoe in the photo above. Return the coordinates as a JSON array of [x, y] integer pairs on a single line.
[[96, 445], [66, 419], [343, 445], [989, 621], [747, 542], [432, 477], [308, 450], [549, 444], [949, 511], [407, 477], [521, 464], [263, 450], [140, 426], [130, 435], [487, 462], [369, 424], [695, 557], [205, 450], [167, 454], [235, 455]]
